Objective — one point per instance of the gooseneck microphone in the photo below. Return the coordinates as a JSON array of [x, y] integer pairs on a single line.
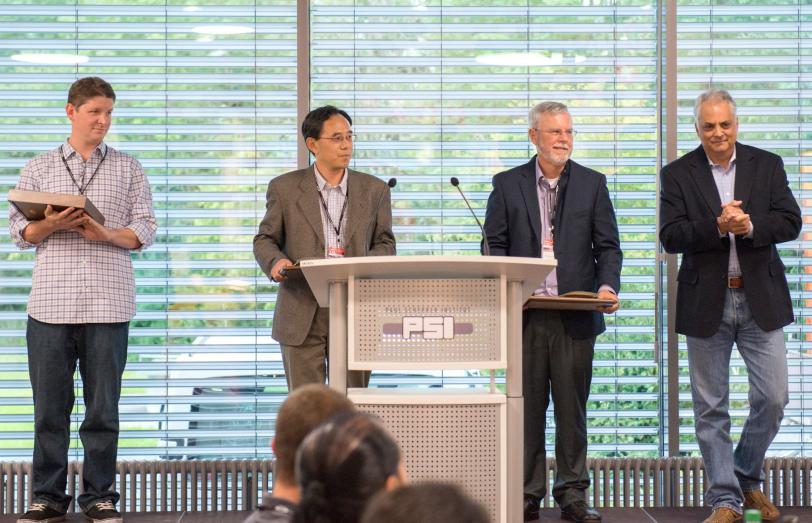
[[485, 247], [373, 223]]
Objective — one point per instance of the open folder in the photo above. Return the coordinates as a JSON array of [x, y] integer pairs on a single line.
[[576, 300], [292, 271], [33, 203]]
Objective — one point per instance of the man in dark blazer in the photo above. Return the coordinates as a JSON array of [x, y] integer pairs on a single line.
[[725, 206], [326, 210], [552, 206]]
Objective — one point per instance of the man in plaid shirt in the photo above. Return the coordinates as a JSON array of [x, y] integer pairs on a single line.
[[82, 298]]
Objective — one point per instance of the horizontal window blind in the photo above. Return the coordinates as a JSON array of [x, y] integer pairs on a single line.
[[437, 88], [207, 103], [442, 88]]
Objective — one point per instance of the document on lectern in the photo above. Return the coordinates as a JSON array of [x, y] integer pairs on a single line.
[[33, 203], [292, 271], [576, 300]]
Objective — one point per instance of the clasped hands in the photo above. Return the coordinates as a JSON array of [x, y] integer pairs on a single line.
[[733, 219]]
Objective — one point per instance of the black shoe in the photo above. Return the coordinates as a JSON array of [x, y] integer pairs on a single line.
[[580, 511], [531, 507], [103, 512], [41, 513]]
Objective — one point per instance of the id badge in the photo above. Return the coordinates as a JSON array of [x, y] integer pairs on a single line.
[[335, 252], [547, 248]]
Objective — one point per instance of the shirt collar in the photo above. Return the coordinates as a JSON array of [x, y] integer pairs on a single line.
[[67, 149], [321, 182], [732, 160], [550, 183]]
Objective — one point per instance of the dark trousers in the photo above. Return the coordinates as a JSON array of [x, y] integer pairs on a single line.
[[307, 363], [555, 363], [53, 350]]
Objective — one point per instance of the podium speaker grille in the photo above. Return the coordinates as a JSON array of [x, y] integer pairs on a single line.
[[457, 443]]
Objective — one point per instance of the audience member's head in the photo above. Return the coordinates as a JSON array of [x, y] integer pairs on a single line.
[[303, 410], [341, 465], [431, 502]]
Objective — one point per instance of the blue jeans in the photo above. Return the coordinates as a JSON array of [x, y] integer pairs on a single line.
[[730, 473], [53, 350]]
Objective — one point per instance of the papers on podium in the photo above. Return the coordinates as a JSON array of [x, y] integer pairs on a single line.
[[576, 300], [292, 271], [33, 203]]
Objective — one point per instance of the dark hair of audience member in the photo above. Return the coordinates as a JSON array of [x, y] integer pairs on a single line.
[[431, 502], [303, 410], [341, 465]]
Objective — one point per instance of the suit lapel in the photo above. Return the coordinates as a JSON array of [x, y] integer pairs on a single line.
[[531, 197], [358, 203], [309, 203], [744, 176], [703, 177]]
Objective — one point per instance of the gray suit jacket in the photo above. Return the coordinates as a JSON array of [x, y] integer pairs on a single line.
[[292, 229]]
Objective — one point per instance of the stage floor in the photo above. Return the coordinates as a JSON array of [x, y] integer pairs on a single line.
[[614, 515], [162, 517], [666, 515]]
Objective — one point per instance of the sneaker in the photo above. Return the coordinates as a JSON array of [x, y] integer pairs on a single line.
[[103, 512], [41, 513]]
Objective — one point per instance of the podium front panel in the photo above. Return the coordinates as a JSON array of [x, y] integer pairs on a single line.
[[445, 437], [425, 323]]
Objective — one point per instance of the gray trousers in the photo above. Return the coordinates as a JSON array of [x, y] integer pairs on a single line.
[[307, 363], [555, 363]]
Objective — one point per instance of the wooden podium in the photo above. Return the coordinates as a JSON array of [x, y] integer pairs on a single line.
[[438, 313]]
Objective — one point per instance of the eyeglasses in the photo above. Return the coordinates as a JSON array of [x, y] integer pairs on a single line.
[[558, 133], [338, 138]]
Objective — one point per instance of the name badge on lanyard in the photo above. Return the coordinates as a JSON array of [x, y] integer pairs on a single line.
[[334, 251], [547, 247]]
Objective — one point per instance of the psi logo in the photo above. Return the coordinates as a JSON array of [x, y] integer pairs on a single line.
[[428, 327]]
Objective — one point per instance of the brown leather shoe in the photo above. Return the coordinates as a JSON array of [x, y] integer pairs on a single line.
[[755, 499], [723, 515]]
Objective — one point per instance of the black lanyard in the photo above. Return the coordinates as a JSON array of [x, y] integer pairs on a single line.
[[72, 177], [553, 205], [330, 218], [552, 202]]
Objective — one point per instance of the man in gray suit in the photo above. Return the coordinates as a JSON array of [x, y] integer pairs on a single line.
[[324, 211]]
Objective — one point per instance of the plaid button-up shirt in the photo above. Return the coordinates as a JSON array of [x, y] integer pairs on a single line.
[[76, 280], [335, 198]]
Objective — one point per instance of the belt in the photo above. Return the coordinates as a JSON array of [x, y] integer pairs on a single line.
[[735, 282]]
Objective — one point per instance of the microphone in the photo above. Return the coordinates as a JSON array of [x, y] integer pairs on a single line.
[[485, 247], [391, 184]]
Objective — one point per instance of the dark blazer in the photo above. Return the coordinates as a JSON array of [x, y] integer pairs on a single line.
[[689, 206], [587, 244], [292, 229]]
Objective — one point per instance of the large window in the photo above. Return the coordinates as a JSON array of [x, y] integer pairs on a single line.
[[441, 89], [208, 102], [759, 52]]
